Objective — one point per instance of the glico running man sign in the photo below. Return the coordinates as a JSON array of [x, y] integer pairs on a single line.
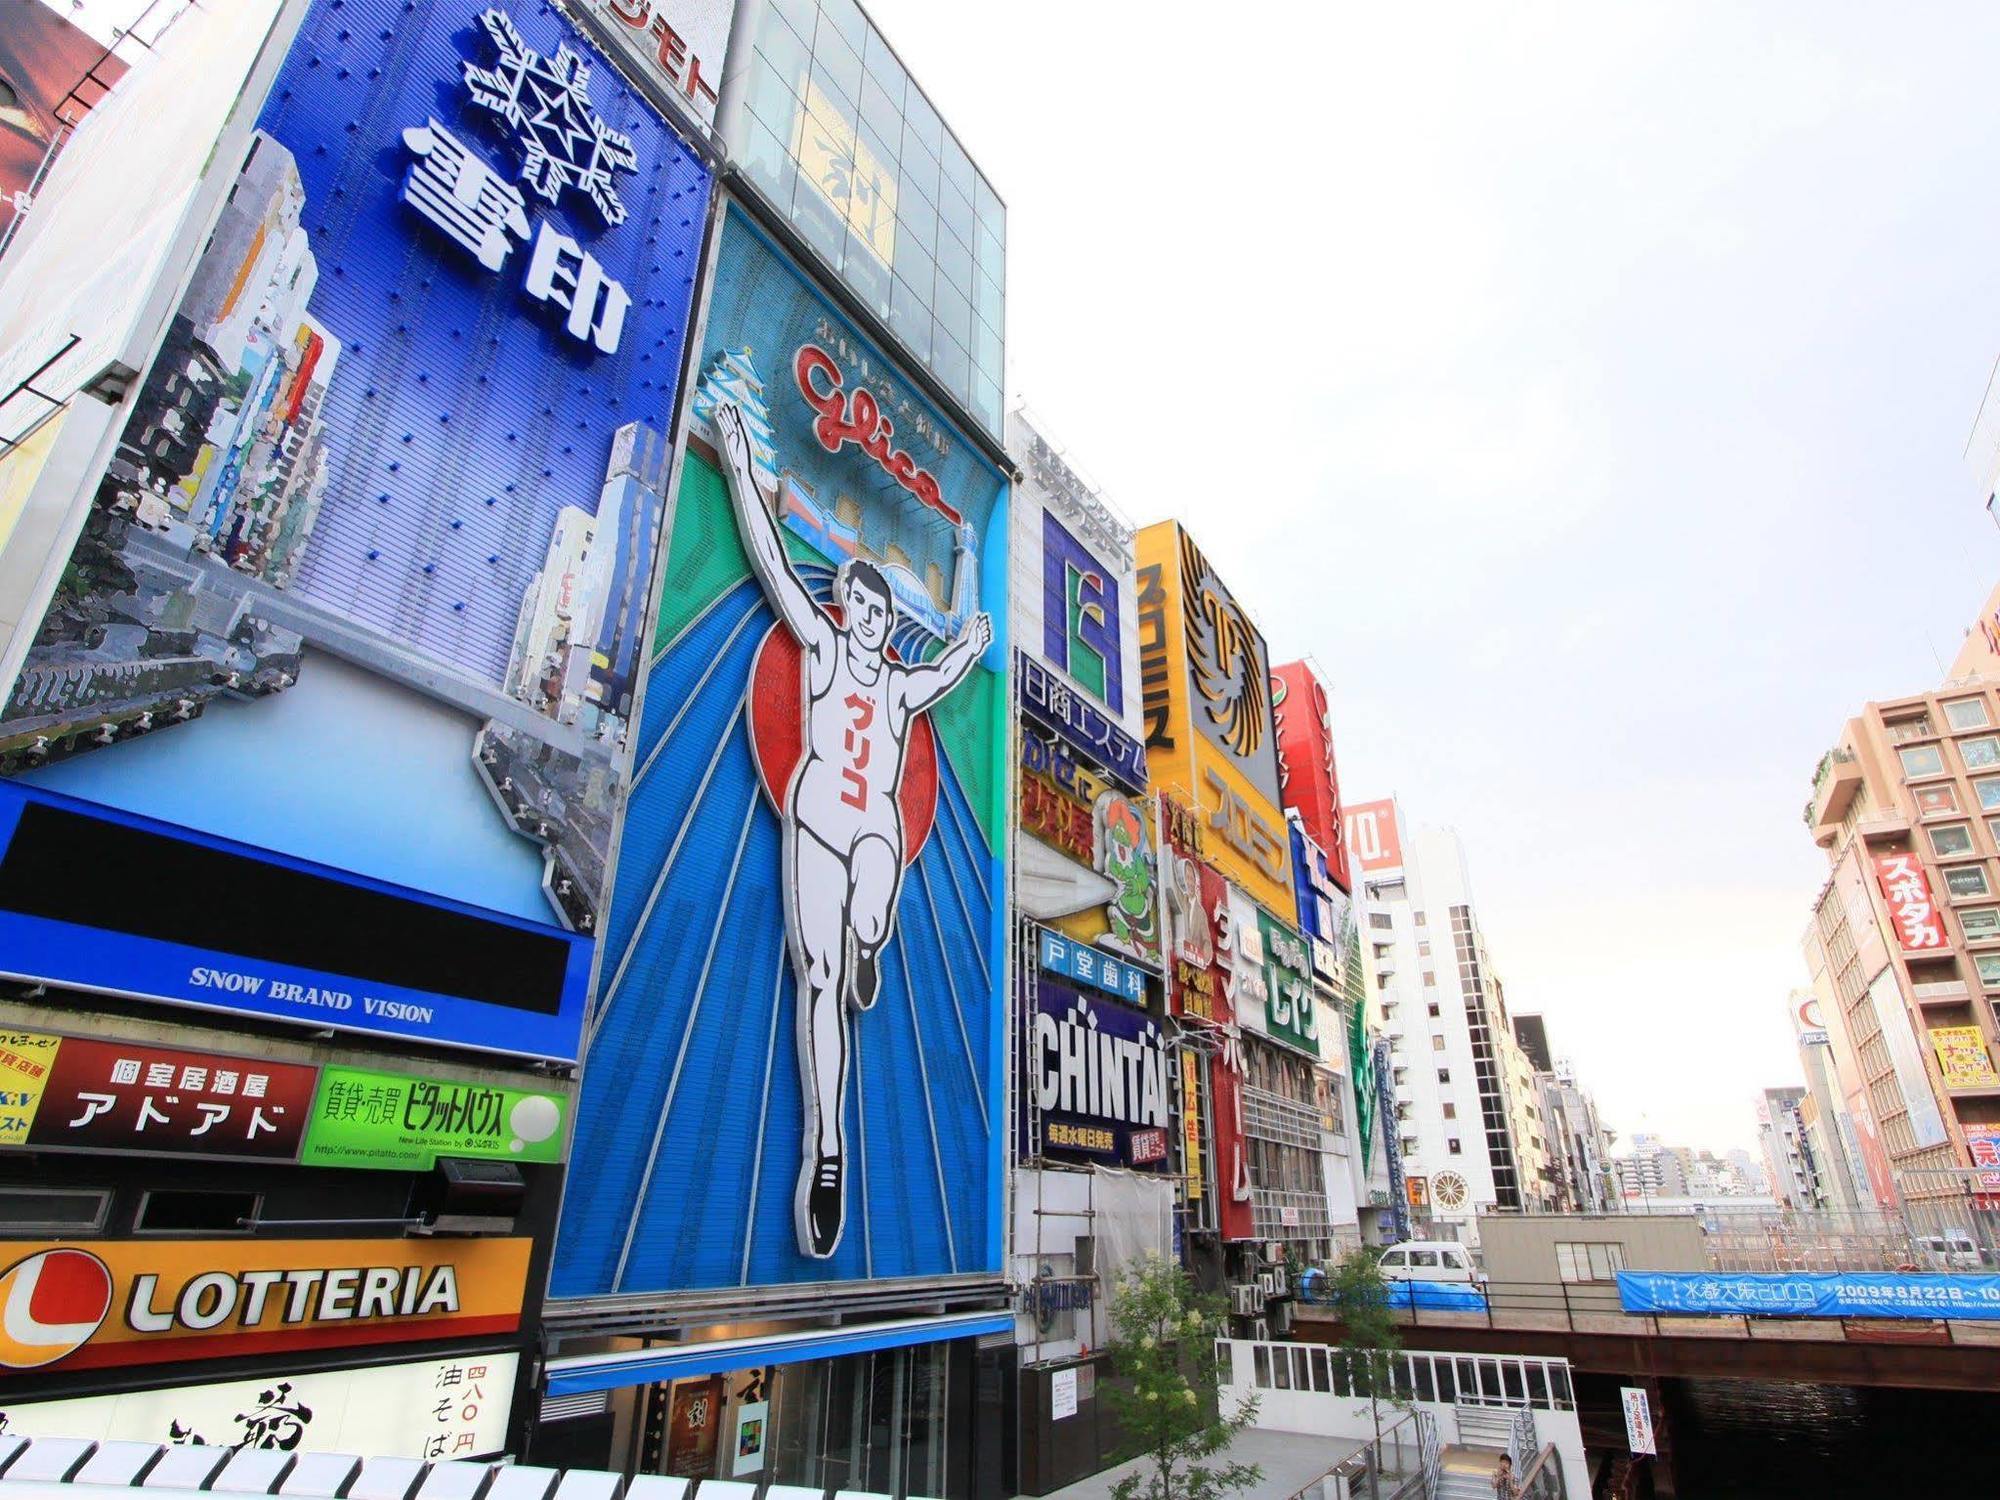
[[800, 987]]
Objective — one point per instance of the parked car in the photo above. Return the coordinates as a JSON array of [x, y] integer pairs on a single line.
[[1429, 1260], [1951, 1252]]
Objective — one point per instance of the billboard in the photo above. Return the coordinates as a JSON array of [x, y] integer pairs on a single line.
[[1323, 905], [1289, 1010], [1963, 1059], [1210, 738], [1086, 861], [797, 1053], [433, 1409], [1912, 909], [1306, 773], [1374, 836], [1982, 1143], [373, 551], [405, 1122], [105, 1303], [676, 45], [1099, 1077], [42, 59]]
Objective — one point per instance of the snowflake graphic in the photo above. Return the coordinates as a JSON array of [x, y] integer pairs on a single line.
[[547, 101]]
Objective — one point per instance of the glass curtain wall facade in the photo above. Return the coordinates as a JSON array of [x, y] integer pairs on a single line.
[[838, 138]]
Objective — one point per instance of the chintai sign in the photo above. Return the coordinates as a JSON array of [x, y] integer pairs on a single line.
[[1099, 1077]]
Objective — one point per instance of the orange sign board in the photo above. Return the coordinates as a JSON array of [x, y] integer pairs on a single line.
[[88, 1304]]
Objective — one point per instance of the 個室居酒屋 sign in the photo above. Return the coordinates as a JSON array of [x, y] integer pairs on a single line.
[[94, 1304]]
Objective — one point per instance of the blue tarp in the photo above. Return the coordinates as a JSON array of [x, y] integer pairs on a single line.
[[1856, 1294], [1447, 1296]]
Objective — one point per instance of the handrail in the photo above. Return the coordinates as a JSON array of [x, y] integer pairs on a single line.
[[1544, 1479]]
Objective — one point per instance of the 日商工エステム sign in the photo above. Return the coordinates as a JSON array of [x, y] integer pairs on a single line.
[[349, 633], [801, 984]]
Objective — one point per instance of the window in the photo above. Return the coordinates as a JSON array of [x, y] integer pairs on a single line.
[[1950, 839], [1437, 1044], [1423, 949], [1988, 793], [1450, 1110], [1980, 921], [1980, 753], [1936, 797], [168, 1211], [1967, 713], [1424, 1258], [1966, 880], [1993, 829], [1989, 969], [1451, 1144], [1422, 920], [1922, 760], [1380, 920], [1409, 1145], [1586, 1260], [1434, 1008], [1444, 1075], [1430, 979], [25, 1210]]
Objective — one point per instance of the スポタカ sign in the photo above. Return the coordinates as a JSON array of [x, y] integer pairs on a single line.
[[94, 1304], [405, 1122], [432, 1409], [1100, 1076], [370, 548], [133, 1098], [1847, 1294], [1912, 908]]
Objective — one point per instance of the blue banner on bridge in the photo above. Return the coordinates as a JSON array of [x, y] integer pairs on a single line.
[[1445, 1296], [1859, 1294]]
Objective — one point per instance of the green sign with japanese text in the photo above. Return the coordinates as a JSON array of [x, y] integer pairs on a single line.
[[398, 1121], [1288, 1011]]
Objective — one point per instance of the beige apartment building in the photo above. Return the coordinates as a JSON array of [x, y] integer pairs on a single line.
[[1904, 944]]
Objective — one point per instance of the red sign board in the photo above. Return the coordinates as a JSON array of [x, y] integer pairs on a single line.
[[1306, 773], [1373, 842], [1984, 1144], [1908, 891], [121, 1096]]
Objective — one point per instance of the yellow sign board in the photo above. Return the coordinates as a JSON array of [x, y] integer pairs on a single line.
[[1211, 740], [1963, 1058], [25, 1060]]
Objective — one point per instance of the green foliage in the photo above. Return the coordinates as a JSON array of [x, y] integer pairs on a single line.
[[1368, 1340], [1167, 1398]]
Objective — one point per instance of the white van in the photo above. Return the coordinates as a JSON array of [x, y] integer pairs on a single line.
[[1429, 1260]]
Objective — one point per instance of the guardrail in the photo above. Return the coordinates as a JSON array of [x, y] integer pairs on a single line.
[[1594, 1307], [1404, 1464], [1544, 1477]]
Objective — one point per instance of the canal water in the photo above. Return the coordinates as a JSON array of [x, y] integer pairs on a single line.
[[1759, 1440]]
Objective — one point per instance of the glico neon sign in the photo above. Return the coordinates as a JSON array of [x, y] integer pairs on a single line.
[[856, 417]]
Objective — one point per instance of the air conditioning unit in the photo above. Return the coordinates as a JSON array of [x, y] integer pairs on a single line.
[[1281, 1317], [1259, 1329], [1281, 1282], [1245, 1301], [1264, 1284]]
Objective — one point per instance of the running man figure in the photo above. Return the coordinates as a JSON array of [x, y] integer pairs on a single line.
[[843, 824]]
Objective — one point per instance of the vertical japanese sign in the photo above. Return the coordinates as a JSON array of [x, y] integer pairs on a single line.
[[375, 547], [814, 831], [1289, 1009], [25, 1059], [1907, 890], [1638, 1420], [1306, 771], [1210, 737], [1194, 892]]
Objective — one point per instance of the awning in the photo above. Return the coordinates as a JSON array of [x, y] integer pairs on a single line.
[[604, 1372]]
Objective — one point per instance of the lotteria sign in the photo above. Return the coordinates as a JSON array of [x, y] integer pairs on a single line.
[[92, 1305]]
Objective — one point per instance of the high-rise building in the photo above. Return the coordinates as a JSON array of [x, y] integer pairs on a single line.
[[1787, 1156], [1451, 1047], [1841, 1176], [1904, 945], [1574, 1170]]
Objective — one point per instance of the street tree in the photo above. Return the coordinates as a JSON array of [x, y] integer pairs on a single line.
[[1369, 1341], [1167, 1397]]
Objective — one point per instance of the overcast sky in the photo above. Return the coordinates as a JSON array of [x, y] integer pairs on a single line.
[[1585, 387]]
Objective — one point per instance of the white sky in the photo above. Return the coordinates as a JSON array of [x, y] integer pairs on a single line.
[[1583, 385]]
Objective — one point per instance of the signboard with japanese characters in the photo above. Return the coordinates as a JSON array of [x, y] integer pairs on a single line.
[[137, 1099], [1964, 1060], [1306, 771], [405, 1122], [433, 1409], [1193, 891], [1086, 862], [104, 1303], [1100, 1079], [1982, 1142], [1047, 699], [1087, 965], [1289, 1011], [804, 986], [1210, 737], [675, 45], [375, 547], [1907, 890], [1323, 905]]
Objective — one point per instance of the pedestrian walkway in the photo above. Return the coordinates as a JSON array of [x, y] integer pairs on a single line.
[[1290, 1461]]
